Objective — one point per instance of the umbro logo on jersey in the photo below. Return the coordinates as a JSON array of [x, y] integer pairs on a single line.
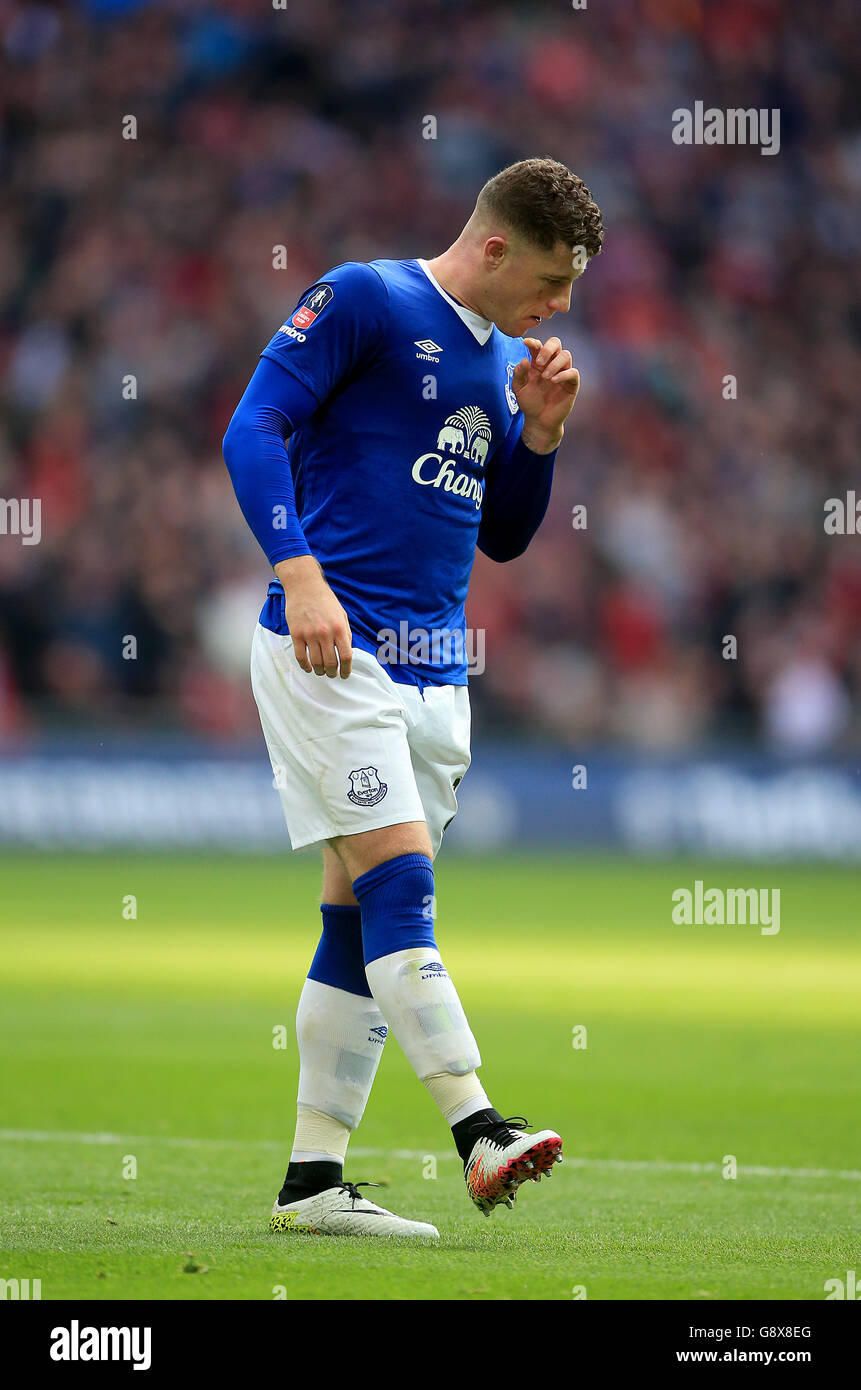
[[428, 349]]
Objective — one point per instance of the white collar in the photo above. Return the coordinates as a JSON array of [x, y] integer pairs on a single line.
[[480, 328]]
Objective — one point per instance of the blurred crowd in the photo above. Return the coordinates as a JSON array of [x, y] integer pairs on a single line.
[[717, 337]]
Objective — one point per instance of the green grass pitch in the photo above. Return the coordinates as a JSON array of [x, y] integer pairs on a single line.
[[151, 1039]]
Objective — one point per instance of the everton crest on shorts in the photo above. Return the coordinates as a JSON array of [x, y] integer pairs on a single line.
[[366, 789]]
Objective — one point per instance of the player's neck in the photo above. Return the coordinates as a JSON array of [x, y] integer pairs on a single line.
[[455, 280]]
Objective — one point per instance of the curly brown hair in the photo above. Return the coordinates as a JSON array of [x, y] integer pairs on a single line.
[[541, 200]]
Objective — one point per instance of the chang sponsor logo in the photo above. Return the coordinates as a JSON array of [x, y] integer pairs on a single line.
[[465, 438]]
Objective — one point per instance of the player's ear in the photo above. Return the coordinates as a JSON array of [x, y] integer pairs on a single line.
[[495, 251]]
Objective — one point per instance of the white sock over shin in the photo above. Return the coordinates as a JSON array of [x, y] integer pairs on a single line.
[[414, 991], [341, 1038]]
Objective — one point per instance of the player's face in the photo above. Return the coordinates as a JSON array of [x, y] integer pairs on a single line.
[[530, 285]]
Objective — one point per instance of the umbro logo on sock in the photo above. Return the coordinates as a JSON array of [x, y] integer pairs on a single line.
[[378, 1035], [433, 967]]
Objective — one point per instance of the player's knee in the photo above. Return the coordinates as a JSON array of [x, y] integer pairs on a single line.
[[337, 882], [362, 852], [397, 901]]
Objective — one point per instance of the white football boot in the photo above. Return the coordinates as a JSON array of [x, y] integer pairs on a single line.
[[343, 1211], [504, 1157]]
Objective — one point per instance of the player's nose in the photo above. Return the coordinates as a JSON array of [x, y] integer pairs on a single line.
[[560, 303]]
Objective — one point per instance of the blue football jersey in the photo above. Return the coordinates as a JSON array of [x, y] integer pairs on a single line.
[[390, 472]]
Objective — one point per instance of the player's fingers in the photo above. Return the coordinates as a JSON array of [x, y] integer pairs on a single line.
[[563, 373], [301, 655], [330, 656], [559, 362], [548, 351], [569, 378], [344, 643], [315, 656], [520, 374]]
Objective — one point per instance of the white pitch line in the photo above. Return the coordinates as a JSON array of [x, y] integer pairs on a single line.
[[653, 1165]]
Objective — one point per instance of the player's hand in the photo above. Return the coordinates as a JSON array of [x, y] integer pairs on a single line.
[[322, 641], [546, 386]]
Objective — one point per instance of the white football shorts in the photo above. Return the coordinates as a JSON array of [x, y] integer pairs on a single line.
[[357, 754]]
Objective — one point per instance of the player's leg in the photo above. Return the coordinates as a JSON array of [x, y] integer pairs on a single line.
[[392, 877], [340, 1033], [391, 872], [497, 1154], [340, 758]]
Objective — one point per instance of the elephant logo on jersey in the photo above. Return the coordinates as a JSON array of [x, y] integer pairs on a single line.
[[452, 438], [509, 390], [366, 789], [465, 435], [467, 432], [314, 304]]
